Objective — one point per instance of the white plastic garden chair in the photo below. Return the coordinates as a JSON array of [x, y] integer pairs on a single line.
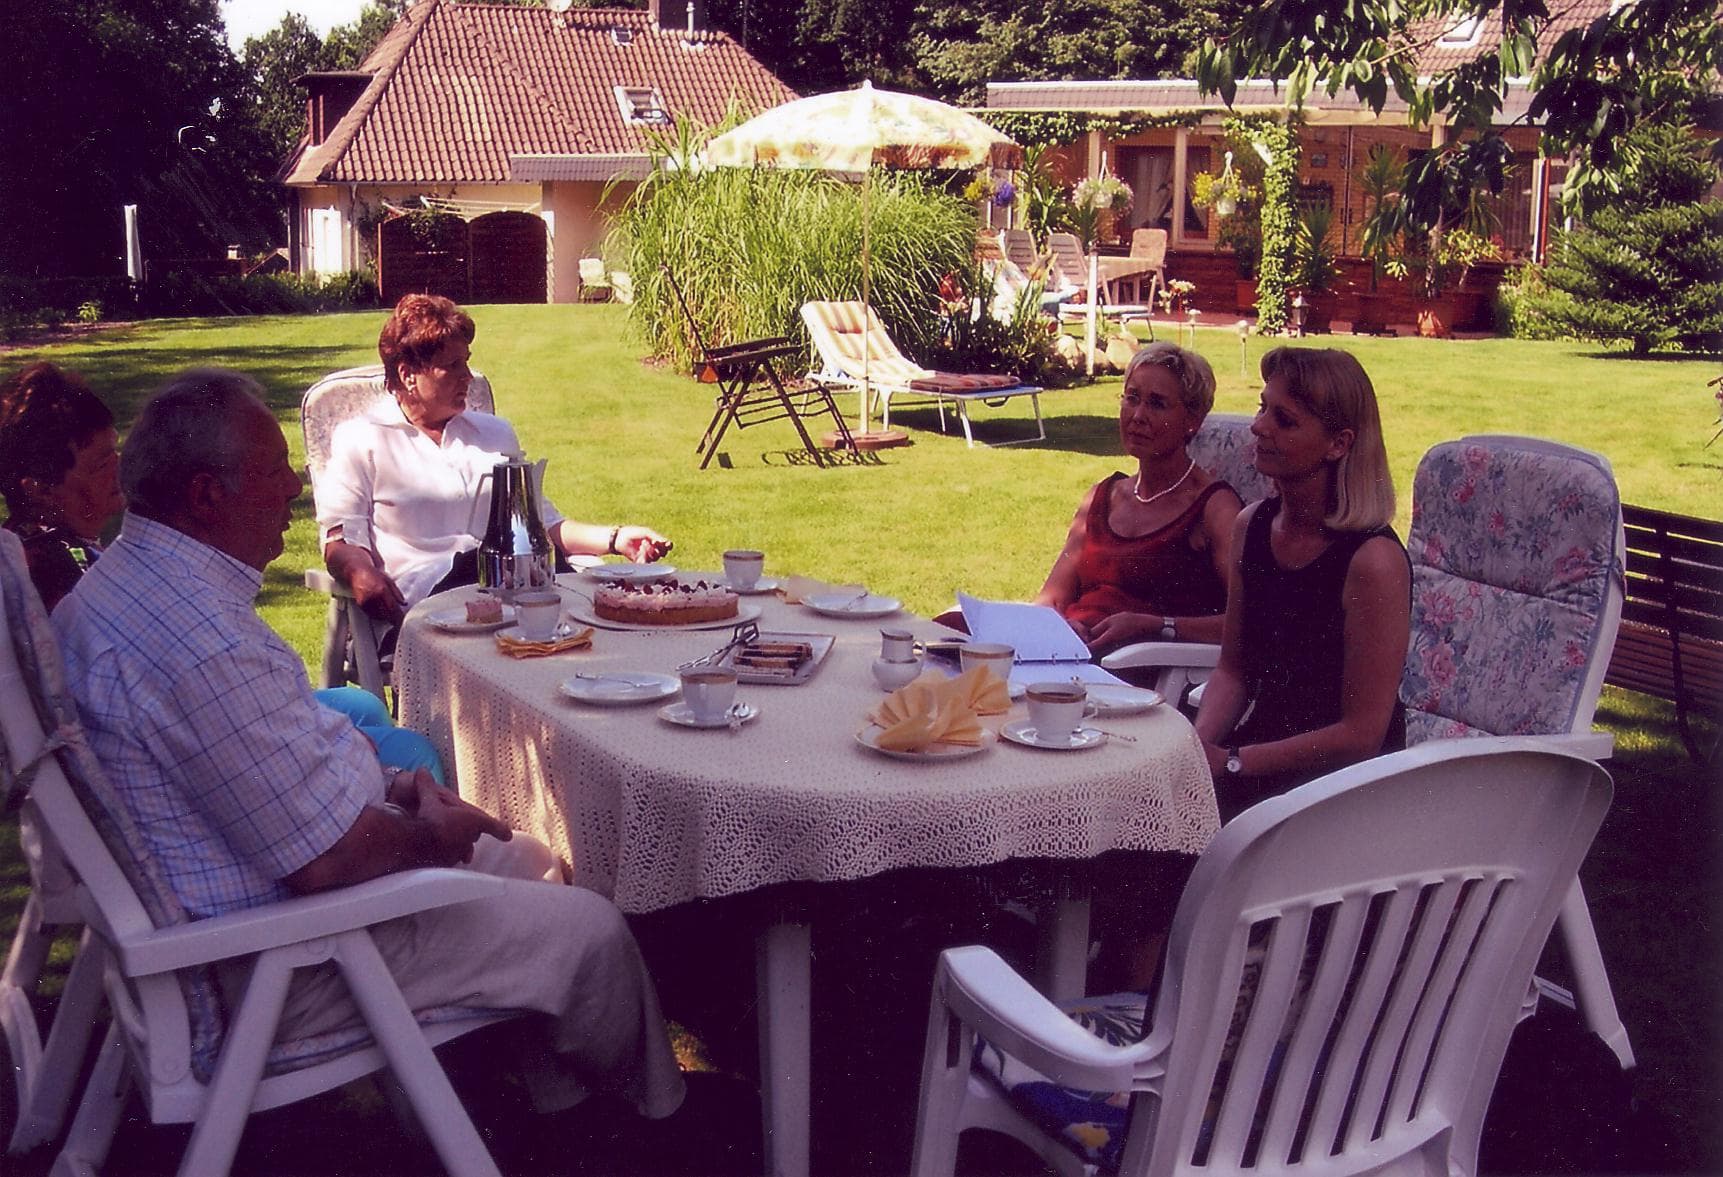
[[170, 1035], [1320, 1013]]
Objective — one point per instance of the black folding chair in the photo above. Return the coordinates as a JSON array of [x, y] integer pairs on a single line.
[[752, 390]]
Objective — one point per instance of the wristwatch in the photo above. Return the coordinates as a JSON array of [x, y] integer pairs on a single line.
[[1169, 629], [1234, 766]]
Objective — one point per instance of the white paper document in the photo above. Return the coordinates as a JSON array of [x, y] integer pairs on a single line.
[[1047, 648]]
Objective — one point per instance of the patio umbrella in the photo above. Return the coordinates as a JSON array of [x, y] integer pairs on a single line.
[[856, 131]]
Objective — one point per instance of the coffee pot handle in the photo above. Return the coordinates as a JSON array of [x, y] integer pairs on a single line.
[[478, 497]]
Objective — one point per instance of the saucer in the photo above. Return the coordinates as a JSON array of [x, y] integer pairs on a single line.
[[682, 715], [764, 585], [455, 621], [1023, 732], [513, 633], [636, 686]]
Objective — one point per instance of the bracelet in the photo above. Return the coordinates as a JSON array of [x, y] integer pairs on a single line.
[[614, 532]]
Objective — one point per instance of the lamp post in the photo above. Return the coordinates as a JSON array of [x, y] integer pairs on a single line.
[[1191, 314], [1244, 348]]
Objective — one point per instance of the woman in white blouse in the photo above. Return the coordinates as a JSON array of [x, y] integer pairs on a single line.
[[395, 503]]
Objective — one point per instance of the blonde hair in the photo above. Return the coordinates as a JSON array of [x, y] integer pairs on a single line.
[[1334, 387], [1195, 377]]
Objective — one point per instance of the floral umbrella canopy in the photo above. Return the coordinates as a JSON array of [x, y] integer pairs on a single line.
[[857, 130]]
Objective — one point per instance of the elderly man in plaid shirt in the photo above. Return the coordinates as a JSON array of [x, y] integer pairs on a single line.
[[248, 792]]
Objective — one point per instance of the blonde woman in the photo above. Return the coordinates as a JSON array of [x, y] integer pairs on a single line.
[[1319, 593]]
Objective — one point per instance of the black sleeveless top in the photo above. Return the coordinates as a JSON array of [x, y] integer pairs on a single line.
[[1293, 636]]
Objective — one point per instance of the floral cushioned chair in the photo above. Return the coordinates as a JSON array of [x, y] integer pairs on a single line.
[[350, 638], [172, 1033]]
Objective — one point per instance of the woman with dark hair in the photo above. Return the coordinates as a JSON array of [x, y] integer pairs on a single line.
[[1320, 600], [1145, 557], [59, 473], [394, 505]]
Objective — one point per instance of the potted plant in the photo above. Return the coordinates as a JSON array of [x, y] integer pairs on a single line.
[[1094, 204], [1383, 241], [1316, 267], [1443, 266], [1234, 198]]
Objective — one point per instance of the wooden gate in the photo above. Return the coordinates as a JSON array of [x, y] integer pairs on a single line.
[[507, 257], [499, 257]]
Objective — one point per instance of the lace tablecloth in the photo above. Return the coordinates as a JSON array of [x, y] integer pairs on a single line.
[[652, 814]]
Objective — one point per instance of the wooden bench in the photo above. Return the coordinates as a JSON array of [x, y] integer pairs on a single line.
[[1671, 639]]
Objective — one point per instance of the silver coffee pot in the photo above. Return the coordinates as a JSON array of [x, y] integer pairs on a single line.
[[516, 552]]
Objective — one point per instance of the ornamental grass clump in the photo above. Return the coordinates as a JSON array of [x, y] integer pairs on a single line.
[[749, 246]]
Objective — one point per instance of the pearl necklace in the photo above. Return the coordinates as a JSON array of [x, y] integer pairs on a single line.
[[1137, 486]]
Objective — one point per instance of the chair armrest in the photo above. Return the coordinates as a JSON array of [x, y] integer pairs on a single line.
[[985, 993], [304, 917], [1201, 655], [318, 580]]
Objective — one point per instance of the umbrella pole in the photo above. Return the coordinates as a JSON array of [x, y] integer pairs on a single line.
[[867, 304], [1090, 350]]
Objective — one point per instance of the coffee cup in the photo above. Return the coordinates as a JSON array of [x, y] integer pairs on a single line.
[[995, 656], [742, 567], [1055, 708], [538, 612], [708, 691]]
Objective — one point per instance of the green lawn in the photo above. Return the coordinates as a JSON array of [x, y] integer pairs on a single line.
[[934, 517], [926, 519]]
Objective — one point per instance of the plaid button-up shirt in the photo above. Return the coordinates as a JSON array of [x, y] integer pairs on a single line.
[[205, 721]]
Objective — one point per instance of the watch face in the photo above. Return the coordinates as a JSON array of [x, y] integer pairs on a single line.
[[1234, 765]]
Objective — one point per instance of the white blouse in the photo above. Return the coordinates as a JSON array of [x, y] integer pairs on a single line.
[[413, 502]]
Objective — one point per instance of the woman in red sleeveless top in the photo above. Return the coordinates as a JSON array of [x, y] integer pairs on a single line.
[[1145, 558]]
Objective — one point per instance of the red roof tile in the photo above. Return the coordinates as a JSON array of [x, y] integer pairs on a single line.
[[1436, 57], [457, 89]]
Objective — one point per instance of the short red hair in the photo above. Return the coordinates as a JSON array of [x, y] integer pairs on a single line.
[[420, 326]]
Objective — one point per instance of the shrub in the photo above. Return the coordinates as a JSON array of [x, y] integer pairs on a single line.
[[748, 247], [1647, 269], [90, 311]]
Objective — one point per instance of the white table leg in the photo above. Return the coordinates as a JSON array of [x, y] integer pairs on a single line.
[[782, 982], [1063, 950]]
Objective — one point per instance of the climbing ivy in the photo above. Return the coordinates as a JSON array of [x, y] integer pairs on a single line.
[[1279, 217], [1032, 128]]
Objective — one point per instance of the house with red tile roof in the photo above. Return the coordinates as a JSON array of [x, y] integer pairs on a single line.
[[528, 112]]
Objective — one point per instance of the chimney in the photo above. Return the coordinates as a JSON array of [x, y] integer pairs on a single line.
[[677, 16]]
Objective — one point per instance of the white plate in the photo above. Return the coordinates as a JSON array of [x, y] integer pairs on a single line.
[[868, 737], [849, 605], [455, 621], [629, 573], [1023, 732], [583, 612], [682, 715], [1107, 699], [606, 690], [764, 585]]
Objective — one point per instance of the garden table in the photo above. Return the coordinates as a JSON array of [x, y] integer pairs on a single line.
[[654, 815]]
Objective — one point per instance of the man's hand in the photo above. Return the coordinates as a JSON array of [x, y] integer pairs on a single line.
[[453, 823], [641, 544]]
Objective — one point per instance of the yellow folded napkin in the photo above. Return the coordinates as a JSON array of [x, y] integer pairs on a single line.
[[931, 710], [795, 590], [984, 692], [515, 647]]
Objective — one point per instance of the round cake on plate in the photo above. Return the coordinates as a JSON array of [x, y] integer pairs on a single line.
[[667, 602]]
